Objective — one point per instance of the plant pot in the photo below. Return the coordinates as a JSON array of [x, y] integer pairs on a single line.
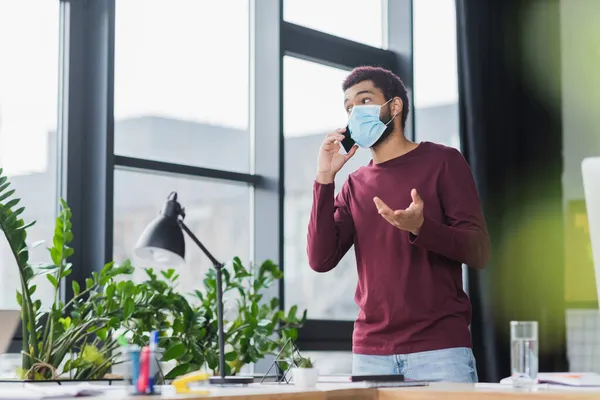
[[305, 377]]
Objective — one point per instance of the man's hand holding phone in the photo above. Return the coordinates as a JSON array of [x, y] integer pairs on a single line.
[[330, 159]]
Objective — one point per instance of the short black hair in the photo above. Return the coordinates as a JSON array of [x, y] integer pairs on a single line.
[[386, 81]]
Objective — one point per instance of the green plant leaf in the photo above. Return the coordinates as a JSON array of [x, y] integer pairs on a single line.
[[110, 290], [27, 226], [27, 271], [231, 356], [43, 269], [66, 272], [34, 245], [178, 371], [292, 313], [128, 308], [178, 326], [68, 252], [304, 314], [19, 299], [65, 322], [265, 323], [11, 203], [174, 352], [5, 195], [52, 280], [102, 333], [18, 212], [239, 270], [56, 256], [76, 288], [168, 274]]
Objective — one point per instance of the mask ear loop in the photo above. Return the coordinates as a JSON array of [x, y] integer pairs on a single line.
[[395, 115]]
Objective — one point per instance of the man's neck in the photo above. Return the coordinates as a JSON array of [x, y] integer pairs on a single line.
[[394, 146]]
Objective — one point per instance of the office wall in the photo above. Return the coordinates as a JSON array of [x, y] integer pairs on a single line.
[[580, 50]]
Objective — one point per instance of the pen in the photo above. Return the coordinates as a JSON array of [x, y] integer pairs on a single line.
[[152, 360], [142, 383]]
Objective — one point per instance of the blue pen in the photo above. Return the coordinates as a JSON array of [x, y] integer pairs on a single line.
[[152, 360]]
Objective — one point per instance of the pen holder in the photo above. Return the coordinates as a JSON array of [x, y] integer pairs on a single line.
[[144, 373]]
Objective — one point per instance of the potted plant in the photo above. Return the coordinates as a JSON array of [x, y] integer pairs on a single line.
[[79, 339], [73, 338], [304, 373]]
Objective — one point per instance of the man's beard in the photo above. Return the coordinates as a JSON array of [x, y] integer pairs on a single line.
[[385, 118]]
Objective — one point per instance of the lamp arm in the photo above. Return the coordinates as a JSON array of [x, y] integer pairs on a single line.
[[218, 265], [220, 325]]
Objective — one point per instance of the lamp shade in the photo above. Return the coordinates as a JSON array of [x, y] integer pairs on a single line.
[[162, 242]]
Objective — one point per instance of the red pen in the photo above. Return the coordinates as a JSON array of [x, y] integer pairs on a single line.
[[142, 382]]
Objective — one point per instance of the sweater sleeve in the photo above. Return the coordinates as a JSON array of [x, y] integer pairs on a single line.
[[464, 236], [330, 228]]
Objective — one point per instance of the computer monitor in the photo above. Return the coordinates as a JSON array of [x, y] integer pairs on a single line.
[[590, 168]]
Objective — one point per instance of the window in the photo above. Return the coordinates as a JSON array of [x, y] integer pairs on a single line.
[[357, 20], [217, 213], [173, 76], [28, 118], [330, 295], [436, 88]]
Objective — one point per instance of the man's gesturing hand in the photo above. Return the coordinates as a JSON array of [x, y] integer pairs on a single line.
[[409, 220]]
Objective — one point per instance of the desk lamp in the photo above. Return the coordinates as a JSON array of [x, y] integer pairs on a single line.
[[162, 243]]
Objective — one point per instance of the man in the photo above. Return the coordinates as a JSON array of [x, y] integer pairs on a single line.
[[414, 217]]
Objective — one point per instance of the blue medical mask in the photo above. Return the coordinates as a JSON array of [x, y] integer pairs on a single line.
[[365, 124]]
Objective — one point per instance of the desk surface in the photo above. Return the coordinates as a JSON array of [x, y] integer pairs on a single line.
[[346, 391]]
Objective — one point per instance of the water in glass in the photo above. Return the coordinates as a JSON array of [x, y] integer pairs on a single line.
[[524, 353]]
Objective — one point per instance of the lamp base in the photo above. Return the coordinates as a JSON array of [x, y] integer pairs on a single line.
[[231, 380]]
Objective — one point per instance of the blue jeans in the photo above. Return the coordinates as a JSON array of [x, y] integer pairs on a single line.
[[447, 365]]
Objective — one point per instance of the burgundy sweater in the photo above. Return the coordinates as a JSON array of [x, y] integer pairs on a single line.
[[409, 288]]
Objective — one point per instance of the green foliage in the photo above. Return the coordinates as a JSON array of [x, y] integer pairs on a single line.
[[190, 334], [85, 331], [15, 230], [303, 362]]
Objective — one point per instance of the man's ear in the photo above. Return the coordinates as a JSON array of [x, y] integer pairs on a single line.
[[397, 106]]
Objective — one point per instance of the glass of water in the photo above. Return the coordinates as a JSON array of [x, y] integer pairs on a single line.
[[524, 353]]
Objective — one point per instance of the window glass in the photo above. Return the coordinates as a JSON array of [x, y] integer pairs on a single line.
[[180, 95], [330, 295], [358, 20], [217, 213], [29, 32], [435, 70]]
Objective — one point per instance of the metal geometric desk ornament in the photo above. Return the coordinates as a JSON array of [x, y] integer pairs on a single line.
[[284, 362]]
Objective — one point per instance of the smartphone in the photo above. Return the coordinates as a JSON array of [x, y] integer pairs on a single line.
[[347, 143]]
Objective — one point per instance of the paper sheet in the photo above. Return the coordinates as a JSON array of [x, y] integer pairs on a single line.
[[39, 392]]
